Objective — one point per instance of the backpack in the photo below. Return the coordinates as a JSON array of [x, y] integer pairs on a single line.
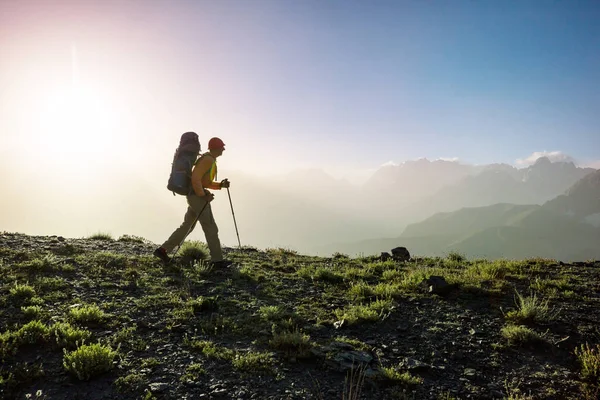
[[180, 179]]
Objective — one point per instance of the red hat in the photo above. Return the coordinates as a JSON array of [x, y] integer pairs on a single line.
[[215, 143]]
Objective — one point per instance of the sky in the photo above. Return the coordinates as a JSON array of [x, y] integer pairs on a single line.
[[339, 85]]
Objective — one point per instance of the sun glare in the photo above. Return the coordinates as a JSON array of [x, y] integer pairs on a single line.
[[76, 120]]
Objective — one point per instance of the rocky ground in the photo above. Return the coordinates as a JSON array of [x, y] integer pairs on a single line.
[[278, 325]]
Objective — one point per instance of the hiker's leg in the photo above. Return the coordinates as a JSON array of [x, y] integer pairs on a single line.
[[189, 222], [209, 226]]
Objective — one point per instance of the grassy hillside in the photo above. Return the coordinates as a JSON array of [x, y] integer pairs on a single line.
[[99, 318]]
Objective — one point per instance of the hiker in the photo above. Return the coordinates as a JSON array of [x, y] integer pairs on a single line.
[[204, 174]]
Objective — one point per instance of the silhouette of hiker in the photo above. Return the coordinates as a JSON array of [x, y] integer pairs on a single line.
[[203, 178]]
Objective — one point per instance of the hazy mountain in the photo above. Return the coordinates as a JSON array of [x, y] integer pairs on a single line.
[[500, 184], [581, 201], [412, 180], [559, 228]]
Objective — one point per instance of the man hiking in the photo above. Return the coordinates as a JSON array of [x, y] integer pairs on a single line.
[[203, 178]]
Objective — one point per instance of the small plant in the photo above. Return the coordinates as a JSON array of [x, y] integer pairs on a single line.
[[272, 313], [89, 360], [24, 291], [253, 362], [327, 275], [392, 374], [589, 359], [193, 372], [293, 343], [131, 239], [531, 309], [520, 335], [101, 236], [456, 257], [68, 336], [87, 314], [211, 350], [31, 312], [130, 383], [193, 251]]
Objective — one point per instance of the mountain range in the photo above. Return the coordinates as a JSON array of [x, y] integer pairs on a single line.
[[566, 227]]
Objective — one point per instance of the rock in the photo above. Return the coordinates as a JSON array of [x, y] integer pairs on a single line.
[[436, 285], [470, 372], [339, 324], [158, 386], [385, 256], [414, 365], [400, 254]]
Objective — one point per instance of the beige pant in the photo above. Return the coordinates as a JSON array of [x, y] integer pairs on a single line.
[[207, 221]]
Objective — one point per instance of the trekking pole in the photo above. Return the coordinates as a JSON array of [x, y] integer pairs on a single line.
[[234, 223]]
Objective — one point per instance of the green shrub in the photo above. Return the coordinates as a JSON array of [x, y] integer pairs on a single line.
[[101, 236], [68, 336], [87, 314], [520, 335], [22, 291], [531, 309], [130, 383], [456, 257], [272, 313], [253, 362], [211, 350], [89, 360], [131, 239], [31, 312], [192, 251], [293, 343], [394, 375], [589, 359]]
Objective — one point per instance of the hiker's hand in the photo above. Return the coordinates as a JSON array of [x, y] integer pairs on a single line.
[[208, 196], [225, 183]]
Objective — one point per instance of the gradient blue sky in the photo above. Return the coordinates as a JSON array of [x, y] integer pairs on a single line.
[[335, 83]]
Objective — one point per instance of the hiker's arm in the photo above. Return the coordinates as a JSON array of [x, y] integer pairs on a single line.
[[215, 185]]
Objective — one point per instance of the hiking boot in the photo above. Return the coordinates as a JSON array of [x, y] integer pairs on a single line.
[[162, 254], [221, 264]]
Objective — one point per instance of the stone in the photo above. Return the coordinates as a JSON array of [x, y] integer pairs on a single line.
[[385, 256], [400, 254], [436, 285], [414, 365], [158, 386]]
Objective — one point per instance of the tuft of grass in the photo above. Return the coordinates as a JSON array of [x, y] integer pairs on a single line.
[[210, 349], [272, 313], [327, 275], [131, 239], [254, 362], [392, 374], [589, 359], [193, 373], [520, 335], [456, 257], [293, 343], [193, 251], [87, 314], [68, 336], [31, 312], [130, 383], [24, 291], [101, 236], [531, 309], [89, 361], [358, 313]]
